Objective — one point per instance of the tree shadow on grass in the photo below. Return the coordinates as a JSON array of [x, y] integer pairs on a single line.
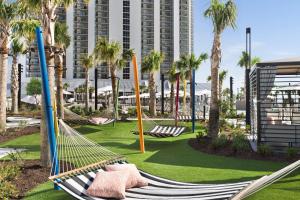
[[84, 130], [48, 194], [28, 148], [179, 153]]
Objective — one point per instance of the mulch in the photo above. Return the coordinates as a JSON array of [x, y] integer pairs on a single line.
[[13, 133], [31, 175], [206, 147]]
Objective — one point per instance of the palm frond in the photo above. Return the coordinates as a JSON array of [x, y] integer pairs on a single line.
[[87, 61], [17, 47], [222, 75], [61, 37], [222, 14], [25, 28], [152, 62]]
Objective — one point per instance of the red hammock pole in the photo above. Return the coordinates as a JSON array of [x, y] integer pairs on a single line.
[[177, 100]]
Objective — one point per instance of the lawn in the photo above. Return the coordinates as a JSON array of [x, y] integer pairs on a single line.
[[171, 158]]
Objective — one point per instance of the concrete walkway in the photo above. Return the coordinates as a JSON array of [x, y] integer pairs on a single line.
[[14, 122], [5, 151]]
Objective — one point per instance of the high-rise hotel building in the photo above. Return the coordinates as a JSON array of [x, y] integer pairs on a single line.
[[142, 25]]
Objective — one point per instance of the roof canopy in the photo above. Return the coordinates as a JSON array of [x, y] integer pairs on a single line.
[[284, 66]]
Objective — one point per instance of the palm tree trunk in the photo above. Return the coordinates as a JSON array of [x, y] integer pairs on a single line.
[[59, 86], [3, 82], [14, 85], [114, 88], [152, 103], [86, 89], [184, 96], [48, 25], [220, 90], [172, 95], [214, 112]]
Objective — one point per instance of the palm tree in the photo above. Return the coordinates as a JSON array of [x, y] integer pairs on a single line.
[[62, 41], [7, 13], [87, 62], [223, 15], [172, 74], [244, 62], [222, 77], [183, 67], [16, 49], [194, 64], [111, 54], [151, 64], [10, 15], [47, 16]]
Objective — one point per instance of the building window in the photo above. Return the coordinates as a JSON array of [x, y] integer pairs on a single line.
[[126, 35]]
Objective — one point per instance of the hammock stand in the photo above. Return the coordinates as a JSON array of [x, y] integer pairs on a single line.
[[159, 130]]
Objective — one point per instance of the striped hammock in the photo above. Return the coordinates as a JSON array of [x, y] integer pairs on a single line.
[[80, 159], [165, 128]]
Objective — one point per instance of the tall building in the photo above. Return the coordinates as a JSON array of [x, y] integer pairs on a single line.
[[142, 25]]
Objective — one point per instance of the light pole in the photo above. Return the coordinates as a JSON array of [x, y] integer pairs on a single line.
[[193, 98], [248, 52], [231, 92], [162, 94], [20, 70], [96, 88]]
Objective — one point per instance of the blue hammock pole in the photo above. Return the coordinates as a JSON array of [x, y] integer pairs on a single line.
[[47, 103], [193, 100]]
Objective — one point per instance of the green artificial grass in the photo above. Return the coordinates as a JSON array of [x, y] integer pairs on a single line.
[[171, 158]]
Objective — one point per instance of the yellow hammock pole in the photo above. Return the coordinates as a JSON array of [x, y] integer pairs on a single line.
[[55, 119], [138, 103]]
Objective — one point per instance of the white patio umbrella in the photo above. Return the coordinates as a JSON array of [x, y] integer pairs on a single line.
[[31, 99]]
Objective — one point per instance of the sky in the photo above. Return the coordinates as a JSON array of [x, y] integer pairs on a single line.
[[275, 27]]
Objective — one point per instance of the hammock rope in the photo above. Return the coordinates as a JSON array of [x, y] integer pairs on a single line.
[[78, 119], [77, 154]]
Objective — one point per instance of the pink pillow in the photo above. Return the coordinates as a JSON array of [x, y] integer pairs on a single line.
[[109, 185], [98, 120], [134, 179]]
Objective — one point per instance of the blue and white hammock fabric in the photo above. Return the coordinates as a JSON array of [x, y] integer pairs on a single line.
[[80, 159]]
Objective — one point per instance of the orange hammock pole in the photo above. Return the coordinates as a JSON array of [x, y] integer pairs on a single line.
[[138, 103]]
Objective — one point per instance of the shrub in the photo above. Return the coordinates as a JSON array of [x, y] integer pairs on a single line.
[[132, 111], [201, 133], [200, 136], [292, 152], [240, 143], [220, 142], [8, 172], [264, 150], [78, 110], [223, 124], [8, 190]]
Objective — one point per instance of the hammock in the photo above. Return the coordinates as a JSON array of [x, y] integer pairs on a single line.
[[74, 118], [165, 128], [187, 115], [188, 118], [80, 159]]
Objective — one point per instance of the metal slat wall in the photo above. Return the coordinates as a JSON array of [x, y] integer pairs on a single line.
[[275, 107]]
